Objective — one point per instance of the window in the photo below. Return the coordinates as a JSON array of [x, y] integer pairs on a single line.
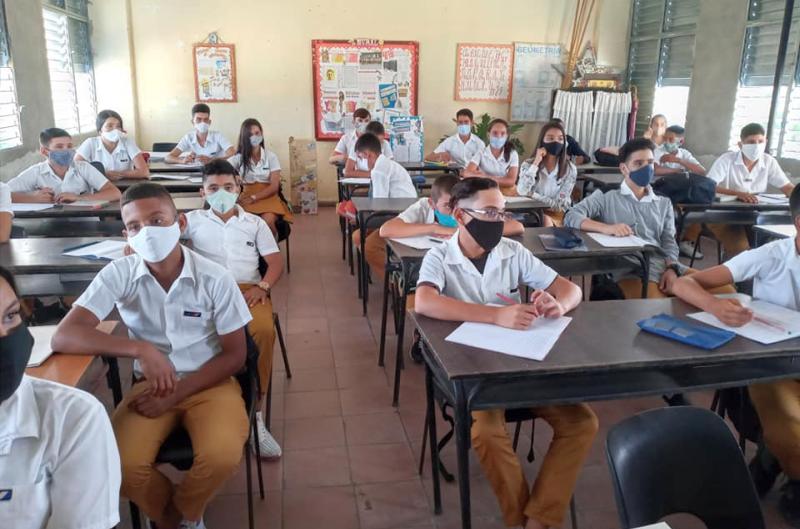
[[69, 59], [661, 57], [10, 132]]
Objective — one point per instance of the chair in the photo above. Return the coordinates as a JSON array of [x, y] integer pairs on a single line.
[[680, 460], [284, 229], [279, 332], [164, 146], [99, 166]]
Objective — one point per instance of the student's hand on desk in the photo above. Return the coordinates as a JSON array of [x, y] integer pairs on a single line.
[[204, 159], [546, 305], [668, 279], [618, 230], [444, 157], [442, 232], [747, 198], [255, 296], [188, 157], [66, 198], [519, 316], [157, 369], [44, 194], [731, 312], [150, 406]]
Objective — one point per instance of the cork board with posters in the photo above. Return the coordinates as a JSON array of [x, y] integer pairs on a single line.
[[215, 73], [483, 72], [381, 76], [303, 175]]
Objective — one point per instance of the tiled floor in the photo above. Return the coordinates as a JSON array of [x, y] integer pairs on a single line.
[[350, 458]]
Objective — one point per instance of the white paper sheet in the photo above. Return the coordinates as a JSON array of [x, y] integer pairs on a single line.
[[156, 156], [196, 179], [726, 198], [30, 207], [105, 250], [187, 165], [534, 343], [42, 334], [771, 324], [609, 241], [86, 204], [785, 230], [169, 176], [660, 525], [355, 181], [422, 242], [773, 198], [512, 200]]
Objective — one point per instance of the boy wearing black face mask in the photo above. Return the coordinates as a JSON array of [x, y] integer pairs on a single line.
[[458, 281]]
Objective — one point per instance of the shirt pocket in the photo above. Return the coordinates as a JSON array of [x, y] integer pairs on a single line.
[[28, 507], [195, 338]]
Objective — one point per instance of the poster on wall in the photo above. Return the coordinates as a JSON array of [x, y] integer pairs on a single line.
[[381, 76], [534, 78], [483, 72], [215, 73], [406, 134]]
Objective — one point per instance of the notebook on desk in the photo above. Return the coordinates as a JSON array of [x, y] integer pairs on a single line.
[[94, 204], [42, 334], [98, 251]]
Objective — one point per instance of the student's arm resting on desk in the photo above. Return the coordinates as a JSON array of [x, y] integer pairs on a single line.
[[350, 170], [693, 289], [510, 179], [397, 228], [787, 189], [140, 169], [176, 156], [580, 217], [439, 154], [472, 170]]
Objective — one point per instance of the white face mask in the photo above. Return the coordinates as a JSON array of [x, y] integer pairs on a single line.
[[201, 127], [753, 151], [113, 135], [362, 164], [256, 140], [154, 243]]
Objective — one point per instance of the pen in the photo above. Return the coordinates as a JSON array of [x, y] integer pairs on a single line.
[[771, 323], [506, 299]]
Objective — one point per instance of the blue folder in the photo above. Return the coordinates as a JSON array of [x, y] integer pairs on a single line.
[[679, 330]]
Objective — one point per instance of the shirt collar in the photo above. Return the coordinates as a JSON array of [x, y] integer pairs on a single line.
[[101, 147], [240, 216], [650, 196], [46, 169], [454, 255], [19, 416], [740, 160], [188, 271]]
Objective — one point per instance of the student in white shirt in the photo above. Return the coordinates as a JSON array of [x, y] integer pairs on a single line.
[[226, 234], [656, 129], [672, 158], [460, 280], [186, 321], [59, 465], [462, 146], [260, 173], [389, 179], [201, 144], [6, 212], [550, 176], [60, 179], [775, 271], [355, 168], [498, 160], [361, 118], [118, 152]]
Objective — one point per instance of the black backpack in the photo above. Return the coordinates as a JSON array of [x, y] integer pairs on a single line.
[[685, 188], [606, 159]]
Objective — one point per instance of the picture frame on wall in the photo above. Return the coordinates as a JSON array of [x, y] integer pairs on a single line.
[[483, 72], [215, 73]]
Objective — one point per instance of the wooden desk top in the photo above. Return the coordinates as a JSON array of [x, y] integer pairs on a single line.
[[108, 210], [44, 255], [396, 205], [164, 167]]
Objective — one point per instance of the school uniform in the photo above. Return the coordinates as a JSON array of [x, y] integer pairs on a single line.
[[215, 146], [59, 465], [497, 167], [5, 199], [347, 143], [256, 177], [546, 186], [185, 324], [81, 178], [120, 159], [236, 245], [681, 153], [461, 152], [508, 265], [386, 150]]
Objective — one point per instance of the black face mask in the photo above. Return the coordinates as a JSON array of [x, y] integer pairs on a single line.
[[15, 351], [553, 147], [486, 233]]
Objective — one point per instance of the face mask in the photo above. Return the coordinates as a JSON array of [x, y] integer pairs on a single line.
[[15, 351], [643, 176], [154, 243], [362, 164], [753, 151], [553, 147], [222, 200], [445, 220], [201, 127], [671, 147], [361, 127], [113, 135], [485, 232], [497, 142], [62, 158], [256, 140], [464, 130]]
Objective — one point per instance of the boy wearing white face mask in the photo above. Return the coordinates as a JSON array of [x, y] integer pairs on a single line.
[[119, 154], [228, 235], [356, 167], [462, 146], [201, 144], [185, 318], [361, 118]]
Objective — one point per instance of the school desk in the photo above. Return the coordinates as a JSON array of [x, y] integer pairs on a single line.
[[602, 355], [68, 227], [170, 184], [601, 180], [406, 261], [767, 232], [164, 167], [411, 167], [108, 210]]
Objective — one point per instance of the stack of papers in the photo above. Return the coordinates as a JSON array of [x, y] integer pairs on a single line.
[[355, 181], [42, 335], [94, 204], [101, 251], [773, 198], [533, 343], [30, 207], [771, 323], [609, 241], [422, 242]]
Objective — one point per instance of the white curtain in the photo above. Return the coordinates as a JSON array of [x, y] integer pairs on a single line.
[[610, 126], [575, 109]]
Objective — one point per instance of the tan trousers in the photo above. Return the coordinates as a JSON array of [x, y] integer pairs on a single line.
[[217, 424], [374, 251], [733, 238], [778, 407], [632, 288], [262, 329], [574, 429]]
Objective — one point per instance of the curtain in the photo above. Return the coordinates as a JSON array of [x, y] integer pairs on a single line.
[[610, 125], [575, 109]]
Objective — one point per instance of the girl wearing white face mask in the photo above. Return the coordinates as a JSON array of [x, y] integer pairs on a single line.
[[119, 154], [498, 161], [261, 176]]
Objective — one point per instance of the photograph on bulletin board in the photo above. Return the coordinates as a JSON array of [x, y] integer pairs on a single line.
[[381, 76], [483, 72], [215, 73]]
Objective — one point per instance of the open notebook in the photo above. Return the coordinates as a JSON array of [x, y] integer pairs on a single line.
[[102, 251], [42, 335]]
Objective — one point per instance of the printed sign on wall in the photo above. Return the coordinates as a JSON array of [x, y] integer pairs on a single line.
[[483, 72]]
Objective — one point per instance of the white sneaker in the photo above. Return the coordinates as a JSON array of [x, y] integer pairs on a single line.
[[186, 524], [269, 447], [687, 248]]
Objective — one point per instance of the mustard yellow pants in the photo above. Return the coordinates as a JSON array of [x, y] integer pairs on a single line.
[[733, 238], [262, 330], [632, 288], [374, 251], [215, 420], [574, 429], [778, 408]]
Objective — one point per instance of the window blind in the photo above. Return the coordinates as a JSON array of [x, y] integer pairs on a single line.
[[10, 131]]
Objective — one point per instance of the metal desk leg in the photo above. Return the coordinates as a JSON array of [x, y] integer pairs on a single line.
[[349, 241], [362, 262], [463, 425], [112, 379], [398, 361], [433, 438], [645, 274], [382, 353]]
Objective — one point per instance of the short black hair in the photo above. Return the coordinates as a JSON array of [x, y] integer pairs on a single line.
[[677, 129], [794, 202], [103, 115], [144, 190], [53, 132], [751, 129], [9, 278], [443, 184], [631, 146], [362, 113], [468, 188], [202, 108], [219, 166], [369, 142], [465, 112], [376, 128]]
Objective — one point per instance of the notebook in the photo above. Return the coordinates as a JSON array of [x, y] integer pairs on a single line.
[[533, 343], [99, 251], [771, 323], [609, 241], [42, 335]]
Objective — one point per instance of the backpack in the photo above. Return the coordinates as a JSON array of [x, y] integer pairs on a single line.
[[686, 188], [606, 159]]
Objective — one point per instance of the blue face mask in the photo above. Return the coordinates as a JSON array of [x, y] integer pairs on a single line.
[[222, 201], [464, 130], [448, 221], [643, 176], [497, 142], [62, 158]]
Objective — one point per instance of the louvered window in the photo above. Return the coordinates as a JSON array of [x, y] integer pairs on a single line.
[[10, 132]]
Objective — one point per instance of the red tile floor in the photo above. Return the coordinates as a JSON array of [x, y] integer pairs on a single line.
[[350, 458]]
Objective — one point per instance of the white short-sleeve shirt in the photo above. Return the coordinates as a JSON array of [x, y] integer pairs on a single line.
[[681, 153], [389, 179], [59, 463], [257, 171], [235, 244], [185, 323], [386, 150], [120, 159], [216, 144], [81, 178], [5, 199], [346, 143], [420, 212], [508, 265], [460, 152], [497, 167], [775, 270], [729, 171]]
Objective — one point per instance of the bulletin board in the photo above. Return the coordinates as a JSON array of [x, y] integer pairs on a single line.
[[483, 72], [214, 73], [535, 76], [381, 76]]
